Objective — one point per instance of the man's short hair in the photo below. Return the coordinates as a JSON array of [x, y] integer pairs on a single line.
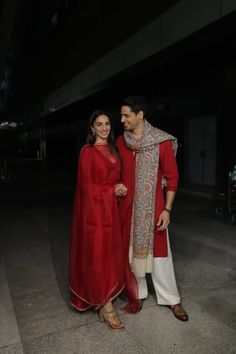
[[136, 104]]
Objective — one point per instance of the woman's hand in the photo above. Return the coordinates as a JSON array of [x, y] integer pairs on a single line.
[[120, 190]]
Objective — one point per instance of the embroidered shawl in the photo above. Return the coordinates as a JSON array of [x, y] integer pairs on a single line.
[[146, 174]]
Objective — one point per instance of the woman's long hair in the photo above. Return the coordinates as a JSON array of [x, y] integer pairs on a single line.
[[92, 137]]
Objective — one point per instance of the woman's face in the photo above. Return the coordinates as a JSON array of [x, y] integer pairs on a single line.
[[101, 128]]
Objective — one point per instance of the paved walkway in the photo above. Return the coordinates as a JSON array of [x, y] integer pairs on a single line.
[[34, 312]]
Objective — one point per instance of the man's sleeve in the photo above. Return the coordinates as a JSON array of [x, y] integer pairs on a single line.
[[168, 165]]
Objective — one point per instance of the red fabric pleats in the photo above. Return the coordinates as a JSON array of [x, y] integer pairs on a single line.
[[131, 293], [99, 267]]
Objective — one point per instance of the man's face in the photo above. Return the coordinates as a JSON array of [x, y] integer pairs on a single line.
[[130, 120]]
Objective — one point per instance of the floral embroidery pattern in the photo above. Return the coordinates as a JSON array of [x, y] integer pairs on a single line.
[[147, 150]]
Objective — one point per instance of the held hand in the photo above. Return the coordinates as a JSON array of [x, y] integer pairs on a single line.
[[120, 190], [163, 221]]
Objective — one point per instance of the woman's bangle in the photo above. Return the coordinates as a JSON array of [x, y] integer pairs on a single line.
[[168, 210]]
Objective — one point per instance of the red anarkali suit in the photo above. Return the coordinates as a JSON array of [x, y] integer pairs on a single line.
[[99, 268]]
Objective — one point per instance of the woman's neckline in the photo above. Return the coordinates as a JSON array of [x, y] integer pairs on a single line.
[[100, 143]]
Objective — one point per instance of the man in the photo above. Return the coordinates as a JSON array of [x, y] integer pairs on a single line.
[[149, 171]]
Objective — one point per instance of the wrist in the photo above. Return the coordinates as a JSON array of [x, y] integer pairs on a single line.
[[168, 210]]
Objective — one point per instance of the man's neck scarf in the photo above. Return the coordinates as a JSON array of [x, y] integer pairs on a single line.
[[147, 149]]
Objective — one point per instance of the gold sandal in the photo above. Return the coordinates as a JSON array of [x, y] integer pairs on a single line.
[[104, 316]]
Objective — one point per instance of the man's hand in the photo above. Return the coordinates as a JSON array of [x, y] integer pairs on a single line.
[[163, 221]]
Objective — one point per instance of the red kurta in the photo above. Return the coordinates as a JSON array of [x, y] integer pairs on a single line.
[[99, 267], [168, 169], [97, 271]]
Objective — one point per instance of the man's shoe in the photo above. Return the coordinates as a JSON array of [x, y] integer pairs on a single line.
[[179, 312]]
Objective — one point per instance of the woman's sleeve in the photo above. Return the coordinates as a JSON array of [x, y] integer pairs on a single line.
[[168, 165], [83, 188], [84, 169]]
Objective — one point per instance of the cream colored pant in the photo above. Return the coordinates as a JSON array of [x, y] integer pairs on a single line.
[[163, 278]]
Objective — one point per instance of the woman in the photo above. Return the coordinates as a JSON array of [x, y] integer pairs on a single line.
[[99, 269]]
